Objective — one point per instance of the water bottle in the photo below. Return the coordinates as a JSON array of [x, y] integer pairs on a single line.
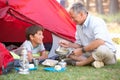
[[36, 62], [63, 64]]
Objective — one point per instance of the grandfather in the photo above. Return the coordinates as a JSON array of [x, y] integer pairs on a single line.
[[93, 43]]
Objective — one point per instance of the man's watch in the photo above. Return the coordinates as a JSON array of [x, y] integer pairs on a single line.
[[83, 50]]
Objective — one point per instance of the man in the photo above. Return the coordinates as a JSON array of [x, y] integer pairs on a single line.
[[93, 43]]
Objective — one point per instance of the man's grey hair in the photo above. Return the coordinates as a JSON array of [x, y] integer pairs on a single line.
[[79, 7]]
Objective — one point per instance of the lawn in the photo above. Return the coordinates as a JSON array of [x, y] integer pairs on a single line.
[[110, 72]]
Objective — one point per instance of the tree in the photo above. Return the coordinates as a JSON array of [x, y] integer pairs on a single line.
[[99, 6], [114, 6], [87, 4]]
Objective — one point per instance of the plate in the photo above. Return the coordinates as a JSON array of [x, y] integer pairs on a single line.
[[49, 62], [30, 69], [35, 68], [51, 69]]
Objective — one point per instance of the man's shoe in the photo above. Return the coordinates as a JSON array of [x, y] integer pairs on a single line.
[[70, 62], [98, 64]]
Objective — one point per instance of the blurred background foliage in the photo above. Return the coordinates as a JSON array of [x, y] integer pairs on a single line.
[[99, 6]]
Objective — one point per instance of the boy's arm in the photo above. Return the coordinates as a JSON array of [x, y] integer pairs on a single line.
[[43, 55]]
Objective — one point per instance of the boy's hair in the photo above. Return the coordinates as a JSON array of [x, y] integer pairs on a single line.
[[32, 31]]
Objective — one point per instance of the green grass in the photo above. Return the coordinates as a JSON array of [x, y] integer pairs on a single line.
[[109, 72], [116, 40], [111, 18]]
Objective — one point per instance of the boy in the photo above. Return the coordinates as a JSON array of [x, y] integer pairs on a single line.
[[34, 43]]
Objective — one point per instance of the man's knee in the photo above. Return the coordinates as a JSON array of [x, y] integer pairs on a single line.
[[102, 49], [101, 52]]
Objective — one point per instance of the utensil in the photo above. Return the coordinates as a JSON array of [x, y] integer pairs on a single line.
[[61, 51]]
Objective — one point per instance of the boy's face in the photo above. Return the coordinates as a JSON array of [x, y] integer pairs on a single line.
[[37, 38]]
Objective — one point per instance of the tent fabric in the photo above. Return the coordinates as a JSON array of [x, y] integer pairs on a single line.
[[17, 15], [5, 58]]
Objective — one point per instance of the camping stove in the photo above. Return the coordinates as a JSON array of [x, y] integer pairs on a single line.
[[62, 52]]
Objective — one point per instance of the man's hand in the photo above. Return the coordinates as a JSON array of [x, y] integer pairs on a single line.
[[64, 43], [77, 51]]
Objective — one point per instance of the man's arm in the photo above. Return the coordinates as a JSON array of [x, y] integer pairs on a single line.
[[93, 45], [85, 62], [90, 47], [69, 44]]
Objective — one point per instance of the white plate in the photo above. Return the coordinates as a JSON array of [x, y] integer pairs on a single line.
[[50, 62]]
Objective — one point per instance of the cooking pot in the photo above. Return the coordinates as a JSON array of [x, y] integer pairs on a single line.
[[61, 51]]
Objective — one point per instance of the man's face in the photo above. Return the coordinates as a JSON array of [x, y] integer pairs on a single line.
[[77, 18], [38, 37]]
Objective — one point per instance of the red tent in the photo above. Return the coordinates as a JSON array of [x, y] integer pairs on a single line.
[[17, 15]]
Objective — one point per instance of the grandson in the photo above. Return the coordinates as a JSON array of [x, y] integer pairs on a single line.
[[34, 43]]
